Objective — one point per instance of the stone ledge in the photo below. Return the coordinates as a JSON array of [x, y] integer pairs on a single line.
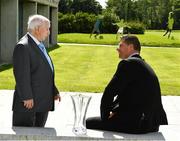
[[60, 122], [167, 132]]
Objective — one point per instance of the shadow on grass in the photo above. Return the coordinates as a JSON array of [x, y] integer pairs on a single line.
[[9, 66], [5, 67], [51, 48]]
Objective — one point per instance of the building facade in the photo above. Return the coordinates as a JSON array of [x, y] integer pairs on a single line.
[[13, 22]]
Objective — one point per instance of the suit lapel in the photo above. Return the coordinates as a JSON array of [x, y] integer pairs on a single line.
[[37, 49]]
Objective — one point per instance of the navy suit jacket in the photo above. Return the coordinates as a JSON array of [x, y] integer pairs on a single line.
[[34, 77], [134, 94]]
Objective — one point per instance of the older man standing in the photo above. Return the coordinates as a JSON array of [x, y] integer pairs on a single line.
[[35, 90]]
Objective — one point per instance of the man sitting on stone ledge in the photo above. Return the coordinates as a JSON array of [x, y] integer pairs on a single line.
[[131, 102]]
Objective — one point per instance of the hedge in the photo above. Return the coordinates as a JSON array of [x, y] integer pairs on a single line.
[[84, 22]]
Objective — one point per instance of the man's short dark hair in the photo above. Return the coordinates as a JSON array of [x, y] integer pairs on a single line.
[[132, 40]]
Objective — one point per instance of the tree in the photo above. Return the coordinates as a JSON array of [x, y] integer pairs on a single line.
[[74, 6], [153, 13], [65, 6], [177, 14], [88, 6]]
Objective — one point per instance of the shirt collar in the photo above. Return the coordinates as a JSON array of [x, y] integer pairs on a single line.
[[34, 38], [136, 53]]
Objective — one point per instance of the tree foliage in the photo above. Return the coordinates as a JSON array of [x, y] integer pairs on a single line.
[[153, 13], [73, 23], [74, 6]]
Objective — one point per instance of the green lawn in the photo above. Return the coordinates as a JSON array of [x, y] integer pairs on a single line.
[[150, 38], [89, 69]]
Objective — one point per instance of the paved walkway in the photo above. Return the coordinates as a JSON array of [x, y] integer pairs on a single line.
[[104, 45], [59, 124], [93, 45]]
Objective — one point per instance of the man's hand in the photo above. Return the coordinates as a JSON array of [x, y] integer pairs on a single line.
[[57, 97], [112, 114], [29, 103]]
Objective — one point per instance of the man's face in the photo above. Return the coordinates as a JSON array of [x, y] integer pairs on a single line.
[[43, 31], [124, 50]]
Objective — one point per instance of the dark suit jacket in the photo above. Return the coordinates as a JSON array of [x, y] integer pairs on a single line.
[[34, 77], [134, 93]]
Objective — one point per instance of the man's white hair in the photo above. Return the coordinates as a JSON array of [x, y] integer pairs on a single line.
[[36, 21]]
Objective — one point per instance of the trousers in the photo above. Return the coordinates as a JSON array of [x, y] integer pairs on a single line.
[[115, 125], [29, 119]]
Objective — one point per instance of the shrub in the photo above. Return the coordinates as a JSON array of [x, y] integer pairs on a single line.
[[107, 23], [84, 22], [177, 18], [66, 23], [80, 22], [135, 27]]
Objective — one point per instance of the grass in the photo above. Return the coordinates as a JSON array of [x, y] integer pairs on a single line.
[[89, 69], [150, 38], [165, 63], [6, 77]]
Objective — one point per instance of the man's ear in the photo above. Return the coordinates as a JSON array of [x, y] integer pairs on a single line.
[[131, 47]]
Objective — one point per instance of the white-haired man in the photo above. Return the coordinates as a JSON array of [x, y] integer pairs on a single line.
[[35, 90]]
